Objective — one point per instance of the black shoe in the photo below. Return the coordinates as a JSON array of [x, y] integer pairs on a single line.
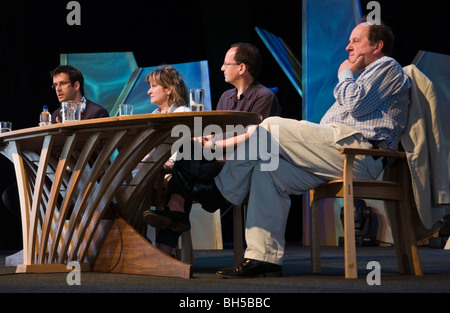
[[251, 269], [165, 219], [203, 191]]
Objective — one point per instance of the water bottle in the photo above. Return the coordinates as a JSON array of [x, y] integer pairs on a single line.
[[46, 117]]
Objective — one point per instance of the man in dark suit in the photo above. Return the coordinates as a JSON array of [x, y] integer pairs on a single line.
[[68, 83]]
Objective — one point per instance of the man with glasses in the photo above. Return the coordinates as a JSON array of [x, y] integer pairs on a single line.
[[241, 68], [68, 83]]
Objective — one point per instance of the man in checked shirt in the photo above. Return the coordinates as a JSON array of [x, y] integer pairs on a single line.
[[369, 111]]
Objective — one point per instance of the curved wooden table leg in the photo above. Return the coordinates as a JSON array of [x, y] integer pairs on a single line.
[[126, 251], [67, 185]]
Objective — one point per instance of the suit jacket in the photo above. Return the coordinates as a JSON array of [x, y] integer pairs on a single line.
[[424, 144], [92, 110]]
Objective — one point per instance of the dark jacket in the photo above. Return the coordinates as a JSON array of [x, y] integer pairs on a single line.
[[92, 110]]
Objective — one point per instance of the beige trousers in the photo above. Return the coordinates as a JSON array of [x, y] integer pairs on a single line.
[[308, 156]]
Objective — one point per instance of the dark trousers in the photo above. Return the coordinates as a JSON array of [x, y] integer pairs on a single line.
[[202, 168]]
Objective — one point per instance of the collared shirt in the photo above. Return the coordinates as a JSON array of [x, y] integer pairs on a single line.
[[375, 104], [173, 108], [83, 104], [257, 99]]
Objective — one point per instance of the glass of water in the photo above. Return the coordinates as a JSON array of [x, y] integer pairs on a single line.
[[125, 109], [70, 111], [6, 127], [196, 99]]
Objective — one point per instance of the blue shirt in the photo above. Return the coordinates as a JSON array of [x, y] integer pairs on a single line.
[[375, 104]]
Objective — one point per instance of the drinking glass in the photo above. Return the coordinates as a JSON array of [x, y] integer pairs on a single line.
[[125, 109], [6, 127], [70, 111], [196, 99]]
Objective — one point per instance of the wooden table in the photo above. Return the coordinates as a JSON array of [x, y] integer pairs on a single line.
[[79, 201]]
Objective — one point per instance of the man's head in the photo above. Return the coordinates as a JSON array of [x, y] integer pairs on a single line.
[[242, 59], [68, 83], [370, 42]]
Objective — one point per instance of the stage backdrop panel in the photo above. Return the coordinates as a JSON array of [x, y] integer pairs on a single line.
[[287, 60], [113, 78], [327, 26], [105, 74], [195, 75]]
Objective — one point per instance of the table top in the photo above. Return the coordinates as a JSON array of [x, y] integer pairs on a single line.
[[220, 118], [162, 120]]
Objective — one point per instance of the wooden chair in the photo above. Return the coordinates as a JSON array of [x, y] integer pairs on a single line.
[[394, 189]]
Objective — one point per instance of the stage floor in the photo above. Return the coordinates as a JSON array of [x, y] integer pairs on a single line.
[[296, 270]]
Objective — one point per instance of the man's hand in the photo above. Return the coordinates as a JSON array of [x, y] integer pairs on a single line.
[[205, 141], [354, 67], [168, 166]]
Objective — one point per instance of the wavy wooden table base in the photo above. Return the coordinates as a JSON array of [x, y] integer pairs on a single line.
[[126, 251], [79, 203]]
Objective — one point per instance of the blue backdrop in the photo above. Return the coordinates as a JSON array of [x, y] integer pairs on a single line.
[[327, 26], [115, 78]]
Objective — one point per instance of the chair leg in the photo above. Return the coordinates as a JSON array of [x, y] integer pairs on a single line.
[[392, 210], [414, 250], [399, 214], [351, 268], [408, 259], [405, 211], [187, 250], [316, 266]]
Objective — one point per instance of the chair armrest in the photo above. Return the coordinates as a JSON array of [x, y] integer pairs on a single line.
[[374, 152]]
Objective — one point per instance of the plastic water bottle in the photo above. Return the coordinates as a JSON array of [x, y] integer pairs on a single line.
[[46, 117]]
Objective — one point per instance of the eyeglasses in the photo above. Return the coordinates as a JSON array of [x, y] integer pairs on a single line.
[[229, 64], [60, 84]]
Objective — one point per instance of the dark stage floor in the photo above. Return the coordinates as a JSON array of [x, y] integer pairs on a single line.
[[296, 269]]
